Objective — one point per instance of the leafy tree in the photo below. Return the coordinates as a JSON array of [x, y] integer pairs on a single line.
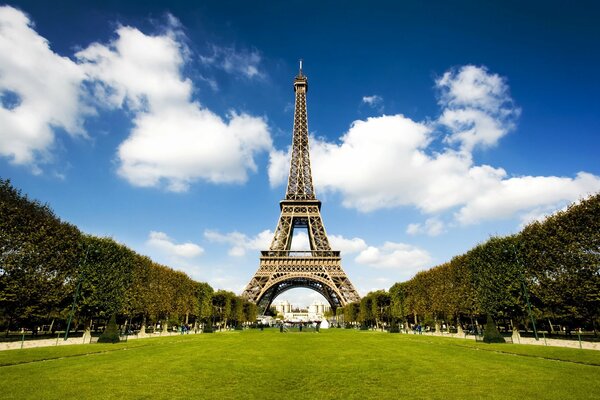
[[105, 275], [351, 312], [380, 307], [366, 310], [250, 311], [221, 302], [204, 293], [38, 257], [562, 255]]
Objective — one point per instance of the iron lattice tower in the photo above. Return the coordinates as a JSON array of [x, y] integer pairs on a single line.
[[320, 268]]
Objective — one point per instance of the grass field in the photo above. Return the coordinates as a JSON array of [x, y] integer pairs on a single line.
[[330, 365]]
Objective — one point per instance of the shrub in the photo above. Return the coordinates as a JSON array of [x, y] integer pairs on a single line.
[[491, 334], [111, 333]]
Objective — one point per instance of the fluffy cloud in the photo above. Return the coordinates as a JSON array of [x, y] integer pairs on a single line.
[[390, 255], [389, 161], [241, 243], [431, 227], [395, 255], [279, 166], [347, 246], [39, 92], [477, 107], [174, 140], [525, 195], [163, 243]]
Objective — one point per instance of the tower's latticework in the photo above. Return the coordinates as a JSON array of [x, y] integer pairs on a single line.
[[320, 268]]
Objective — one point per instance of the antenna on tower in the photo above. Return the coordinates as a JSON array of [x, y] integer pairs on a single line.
[[300, 66]]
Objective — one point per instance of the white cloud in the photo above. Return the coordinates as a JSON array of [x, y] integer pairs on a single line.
[[389, 161], [39, 92], [526, 194], [347, 246], [243, 62], [279, 166], [372, 101], [163, 243], [478, 109], [241, 243], [174, 140], [396, 256], [431, 227]]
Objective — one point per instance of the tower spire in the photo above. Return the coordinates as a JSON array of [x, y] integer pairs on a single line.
[[300, 185]]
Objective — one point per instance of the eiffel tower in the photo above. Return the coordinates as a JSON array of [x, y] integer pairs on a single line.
[[320, 268]]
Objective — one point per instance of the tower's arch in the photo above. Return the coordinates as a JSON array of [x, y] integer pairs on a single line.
[[282, 285]]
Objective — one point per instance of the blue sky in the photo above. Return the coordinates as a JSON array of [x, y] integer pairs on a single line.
[[167, 125]]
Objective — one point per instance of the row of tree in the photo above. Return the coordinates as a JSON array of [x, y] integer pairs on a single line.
[[551, 268], [45, 263]]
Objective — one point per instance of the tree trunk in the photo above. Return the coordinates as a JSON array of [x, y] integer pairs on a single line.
[[51, 325], [187, 315], [143, 328]]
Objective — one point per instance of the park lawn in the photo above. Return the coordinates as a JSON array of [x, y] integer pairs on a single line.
[[330, 365]]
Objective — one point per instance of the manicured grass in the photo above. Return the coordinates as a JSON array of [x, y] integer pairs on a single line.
[[333, 364]]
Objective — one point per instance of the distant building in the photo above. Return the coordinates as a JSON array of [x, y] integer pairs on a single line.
[[315, 312]]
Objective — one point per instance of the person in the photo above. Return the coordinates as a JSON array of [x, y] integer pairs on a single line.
[[419, 329], [281, 328]]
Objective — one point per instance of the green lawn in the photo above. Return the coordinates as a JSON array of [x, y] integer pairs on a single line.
[[333, 364]]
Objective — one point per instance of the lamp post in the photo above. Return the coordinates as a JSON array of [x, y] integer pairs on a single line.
[[79, 279], [525, 292]]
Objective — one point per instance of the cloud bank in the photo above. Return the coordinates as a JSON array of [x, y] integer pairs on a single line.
[[174, 142], [40, 92], [393, 161]]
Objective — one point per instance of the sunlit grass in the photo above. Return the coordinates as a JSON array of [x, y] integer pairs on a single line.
[[332, 364]]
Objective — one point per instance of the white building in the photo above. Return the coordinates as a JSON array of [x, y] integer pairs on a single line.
[[316, 311]]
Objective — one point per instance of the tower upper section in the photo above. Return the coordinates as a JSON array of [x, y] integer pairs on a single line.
[[300, 185]]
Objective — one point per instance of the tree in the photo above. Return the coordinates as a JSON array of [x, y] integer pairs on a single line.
[[398, 309], [380, 307], [365, 315], [351, 312], [562, 257], [38, 257], [204, 293], [250, 311], [221, 302], [105, 275]]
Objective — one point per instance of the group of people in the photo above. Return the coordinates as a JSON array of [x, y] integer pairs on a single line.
[[283, 328]]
